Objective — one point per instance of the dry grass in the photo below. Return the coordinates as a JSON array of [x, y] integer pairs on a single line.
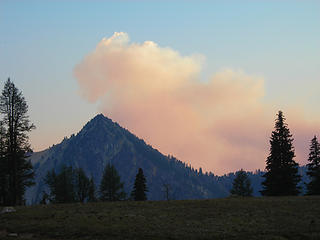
[[230, 218]]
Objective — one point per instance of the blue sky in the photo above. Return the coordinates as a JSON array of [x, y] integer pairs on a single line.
[[42, 41]]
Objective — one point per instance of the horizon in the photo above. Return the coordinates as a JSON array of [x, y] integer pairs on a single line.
[[201, 82]]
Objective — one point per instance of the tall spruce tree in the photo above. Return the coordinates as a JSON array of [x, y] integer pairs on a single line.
[[281, 177], [241, 185], [111, 188], [313, 187], [16, 171], [140, 188]]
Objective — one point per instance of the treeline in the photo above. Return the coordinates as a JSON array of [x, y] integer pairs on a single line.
[[69, 185], [72, 185], [281, 177]]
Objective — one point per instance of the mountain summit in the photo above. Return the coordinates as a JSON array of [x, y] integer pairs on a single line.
[[103, 141]]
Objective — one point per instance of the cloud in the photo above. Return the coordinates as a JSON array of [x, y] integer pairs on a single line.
[[132, 69], [222, 124]]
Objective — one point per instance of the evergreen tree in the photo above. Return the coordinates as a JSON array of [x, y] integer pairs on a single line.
[[70, 185], [61, 185], [140, 188], [241, 185], [92, 191], [111, 188], [281, 177], [17, 172], [313, 187], [82, 185], [65, 185], [51, 180]]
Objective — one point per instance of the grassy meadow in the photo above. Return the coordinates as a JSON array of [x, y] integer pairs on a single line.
[[229, 218]]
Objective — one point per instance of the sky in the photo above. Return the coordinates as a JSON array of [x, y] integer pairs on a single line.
[[200, 80]]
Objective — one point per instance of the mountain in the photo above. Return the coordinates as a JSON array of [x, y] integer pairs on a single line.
[[102, 141]]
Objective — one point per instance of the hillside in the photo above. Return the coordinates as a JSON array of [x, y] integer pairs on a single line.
[[229, 218], [101, 141]]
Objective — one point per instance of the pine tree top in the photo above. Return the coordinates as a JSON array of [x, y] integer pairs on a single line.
[[313, 187], [282, 175], [140, 188], [241, 185]]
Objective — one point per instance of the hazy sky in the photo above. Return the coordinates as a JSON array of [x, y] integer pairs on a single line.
[[201, 80]]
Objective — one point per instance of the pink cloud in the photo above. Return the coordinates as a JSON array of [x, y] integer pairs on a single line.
[[222, 124]]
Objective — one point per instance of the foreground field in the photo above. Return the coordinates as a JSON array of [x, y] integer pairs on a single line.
[[231, 218]]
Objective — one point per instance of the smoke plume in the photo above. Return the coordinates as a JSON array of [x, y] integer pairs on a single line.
[[221, 124]]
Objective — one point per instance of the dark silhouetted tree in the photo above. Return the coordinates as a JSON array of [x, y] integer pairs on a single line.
[[92, 191], [111, 188], [81, 185], [69, 185], [281, 177], [313, 171], [61, 185], [16, 170], [241, 185], [140, 188], [51, 180]]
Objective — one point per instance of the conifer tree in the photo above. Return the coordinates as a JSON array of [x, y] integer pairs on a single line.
[[16, 171], [61, 185], [140, 188], [241, 185], [65, 185], [51, 180], [111, 188], [70, 185], [81, 185], [92, 191], [313, 187], [282, 176]]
